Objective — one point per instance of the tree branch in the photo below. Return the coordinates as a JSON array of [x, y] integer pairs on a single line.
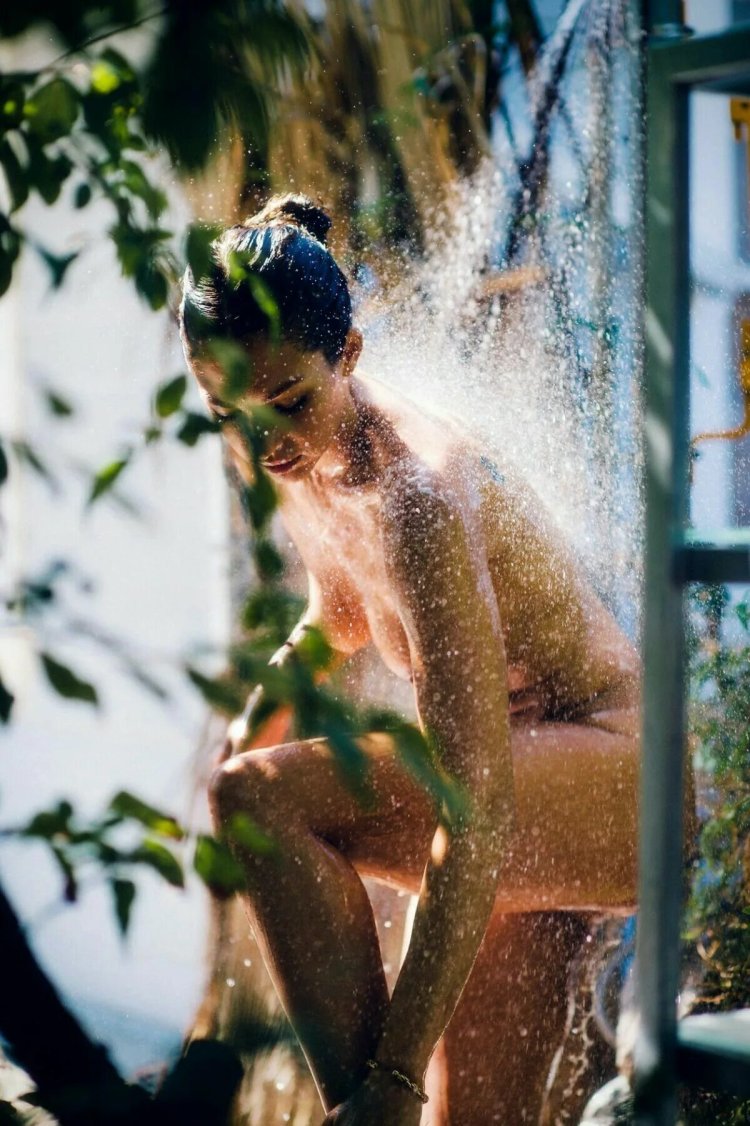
[[44, 1037]]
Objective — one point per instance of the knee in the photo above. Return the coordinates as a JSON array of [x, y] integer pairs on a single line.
[[248, 784], [234, 787]]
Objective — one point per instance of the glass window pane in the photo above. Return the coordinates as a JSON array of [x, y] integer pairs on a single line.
[[719, 312]]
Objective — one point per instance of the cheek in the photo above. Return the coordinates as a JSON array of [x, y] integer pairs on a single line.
[[318, 427]]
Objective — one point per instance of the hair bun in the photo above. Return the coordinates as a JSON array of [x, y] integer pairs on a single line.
[[298, 210]]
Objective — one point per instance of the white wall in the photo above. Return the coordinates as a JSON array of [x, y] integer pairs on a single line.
[[159, 584]]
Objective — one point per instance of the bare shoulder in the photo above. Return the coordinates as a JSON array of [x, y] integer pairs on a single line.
[[419, 507]]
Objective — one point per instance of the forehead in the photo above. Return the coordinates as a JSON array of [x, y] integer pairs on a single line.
[[270, 368]]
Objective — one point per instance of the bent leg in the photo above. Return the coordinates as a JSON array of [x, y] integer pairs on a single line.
[[502, 1038], [574, 846], [308, 905]]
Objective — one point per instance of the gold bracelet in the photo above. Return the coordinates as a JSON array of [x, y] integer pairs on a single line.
[[404, 1080]]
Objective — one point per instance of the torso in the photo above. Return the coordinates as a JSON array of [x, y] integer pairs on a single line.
[[564, 649]]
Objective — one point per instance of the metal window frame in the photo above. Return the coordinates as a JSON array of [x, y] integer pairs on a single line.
[[675, 66]]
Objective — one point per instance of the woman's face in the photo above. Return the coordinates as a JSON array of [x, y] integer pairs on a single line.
[[309, 395]]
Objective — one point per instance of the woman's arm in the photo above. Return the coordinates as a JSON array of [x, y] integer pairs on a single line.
[[317, 615], [450, 613]]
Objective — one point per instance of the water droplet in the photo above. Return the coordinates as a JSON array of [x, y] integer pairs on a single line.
[[231, 982]]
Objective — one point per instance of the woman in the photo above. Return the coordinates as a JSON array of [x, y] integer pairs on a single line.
[[415, 540]]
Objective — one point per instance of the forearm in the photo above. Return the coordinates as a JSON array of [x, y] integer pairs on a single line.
[[454, 907], [272, 729]]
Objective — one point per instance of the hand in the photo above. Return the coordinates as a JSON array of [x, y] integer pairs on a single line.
[[380, 1101], [271, 732], [236, 739]]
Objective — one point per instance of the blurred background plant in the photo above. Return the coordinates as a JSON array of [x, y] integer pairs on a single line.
[[717, 921]]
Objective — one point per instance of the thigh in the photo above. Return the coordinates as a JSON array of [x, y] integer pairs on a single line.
[[385, 833], [574, 845], [512, 1019], [576, 796]]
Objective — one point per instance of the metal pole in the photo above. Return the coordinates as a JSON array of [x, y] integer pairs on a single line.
[[660, 884], [665, 19]]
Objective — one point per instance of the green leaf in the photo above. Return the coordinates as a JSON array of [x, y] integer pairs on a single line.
[[234, 363], [123, 892], [6, 702], [57, 264], [268, 561], [198, 250], [272, 607], [194, 426], [222, 696], [82, 196], [159, 857], [50, 823], [10, 247], [18, 182], [267, 304], [70, 883], [12, 99], [52, 111], [243, 831], [105, 479], [128, 806], [152, 284], [169, 396], [136, 246], [138, 184], [313, 649], [743, 614], [66, 683], [259, 500], [216, 866], [28, 456], [47, 174], [58, 406], [105, 78]]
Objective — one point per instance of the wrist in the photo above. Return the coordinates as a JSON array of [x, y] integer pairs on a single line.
[[379, 1072]]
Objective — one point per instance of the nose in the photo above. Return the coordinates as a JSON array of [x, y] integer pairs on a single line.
[[278, 450]]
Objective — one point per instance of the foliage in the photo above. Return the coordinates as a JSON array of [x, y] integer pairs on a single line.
[[89, 128], [718, 917], [720, 695]]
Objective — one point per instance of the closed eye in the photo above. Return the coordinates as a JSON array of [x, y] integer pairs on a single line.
[[223, 417], [294, 407]]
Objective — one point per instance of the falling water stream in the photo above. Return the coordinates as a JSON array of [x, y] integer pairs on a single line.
[[547, 374]]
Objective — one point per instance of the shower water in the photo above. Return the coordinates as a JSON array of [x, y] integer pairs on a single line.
[[540, 358]]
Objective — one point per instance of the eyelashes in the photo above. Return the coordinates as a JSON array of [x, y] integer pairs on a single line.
[[227, 417], [294, 407], [223, 419]]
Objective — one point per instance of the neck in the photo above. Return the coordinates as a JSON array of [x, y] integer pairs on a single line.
[[351, 456]]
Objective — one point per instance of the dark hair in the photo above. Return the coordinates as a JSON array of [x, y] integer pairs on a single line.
[[283, 246]]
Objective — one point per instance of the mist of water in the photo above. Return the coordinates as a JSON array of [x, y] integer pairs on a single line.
[[547, 376]]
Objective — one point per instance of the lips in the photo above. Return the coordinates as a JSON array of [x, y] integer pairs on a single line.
[[281, 467]]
